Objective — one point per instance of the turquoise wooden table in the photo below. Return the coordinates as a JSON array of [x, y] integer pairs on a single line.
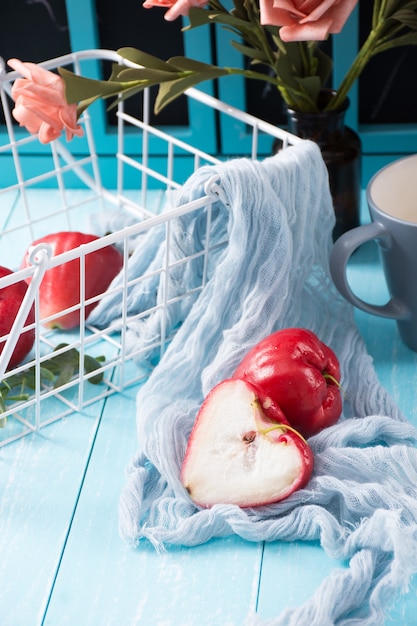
[[62, 561]]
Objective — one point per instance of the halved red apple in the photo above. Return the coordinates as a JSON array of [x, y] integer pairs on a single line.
[[237, 455]]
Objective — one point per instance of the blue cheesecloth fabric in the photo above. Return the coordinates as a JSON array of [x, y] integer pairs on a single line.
[[361, 502]]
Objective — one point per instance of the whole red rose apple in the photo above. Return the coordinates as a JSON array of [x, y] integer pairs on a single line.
[[10, 300], [60, 286], [299, 373]]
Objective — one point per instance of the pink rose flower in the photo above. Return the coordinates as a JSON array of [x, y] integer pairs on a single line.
[[177, 7], [40, 104], [306, 20]]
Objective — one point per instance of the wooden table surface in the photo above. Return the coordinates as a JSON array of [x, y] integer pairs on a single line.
[[62, 561]]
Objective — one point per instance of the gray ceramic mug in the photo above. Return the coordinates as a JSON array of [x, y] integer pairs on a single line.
[[392, 200]]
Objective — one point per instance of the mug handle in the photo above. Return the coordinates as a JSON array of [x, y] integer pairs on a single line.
[[340, 254]]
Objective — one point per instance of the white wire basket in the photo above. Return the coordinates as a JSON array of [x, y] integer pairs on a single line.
[[30, 213]]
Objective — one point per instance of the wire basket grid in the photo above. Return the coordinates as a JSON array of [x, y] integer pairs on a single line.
[[41, 197]]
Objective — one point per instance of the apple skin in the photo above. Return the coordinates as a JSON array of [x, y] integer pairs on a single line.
[[60, 286], [10, 300], [300, 374], [237, 455]]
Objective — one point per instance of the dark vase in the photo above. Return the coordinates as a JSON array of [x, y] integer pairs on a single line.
[[341, 149]]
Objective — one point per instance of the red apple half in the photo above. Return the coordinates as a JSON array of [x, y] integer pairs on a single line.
[[237, 455]]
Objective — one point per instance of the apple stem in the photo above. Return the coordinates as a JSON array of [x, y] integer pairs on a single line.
[[336, 382], [283, 427]]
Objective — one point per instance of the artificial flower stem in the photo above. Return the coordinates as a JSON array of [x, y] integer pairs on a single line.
[[265, 45], [376, 12], [361, 60]]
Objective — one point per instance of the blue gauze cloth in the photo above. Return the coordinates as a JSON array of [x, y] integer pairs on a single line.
[[361, 502]]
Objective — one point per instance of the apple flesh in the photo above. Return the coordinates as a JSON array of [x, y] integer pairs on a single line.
[[237, 455]]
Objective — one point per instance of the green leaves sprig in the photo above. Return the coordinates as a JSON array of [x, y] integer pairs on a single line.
[[299, 70], [173, 77], [394, 24], [54, 373]]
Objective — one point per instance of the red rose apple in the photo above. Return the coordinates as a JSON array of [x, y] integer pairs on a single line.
[[10, 300], [60, 286], [299, 373]]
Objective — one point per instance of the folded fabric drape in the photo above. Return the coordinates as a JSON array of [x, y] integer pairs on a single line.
[[361, 503]]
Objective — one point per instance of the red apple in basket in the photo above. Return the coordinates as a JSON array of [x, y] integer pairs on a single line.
[[60, 286], [11, 298], [237, 455]]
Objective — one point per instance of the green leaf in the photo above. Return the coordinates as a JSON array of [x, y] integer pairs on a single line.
[[143, 58], [406, 17], [293, 59], [148, 75], [19, 398], [191, 65], [78, 88], [286, 70], [324, 65], [241, 25], [394, 6], [310, 86], [252, 53], [171, 90], [240, 9], [127, 93], [55, 372], [3, 396], [198, 17], [168, 92], [252, 10], [406, 40], [247, 36], [65, 375], [91, 365], [46, 375], [87, 90], [389, 8]]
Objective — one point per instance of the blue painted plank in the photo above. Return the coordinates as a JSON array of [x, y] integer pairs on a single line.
[[61, 554], [102, 581], [396, 366], [36, 517], [47, 211], [291, 572], [40, 479]]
